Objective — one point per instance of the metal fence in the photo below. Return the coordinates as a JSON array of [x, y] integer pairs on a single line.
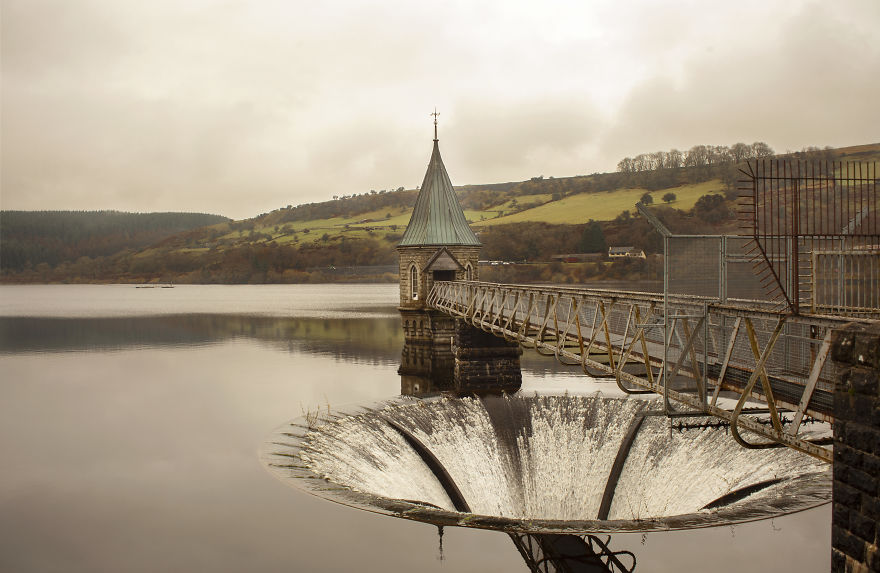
[[815, 232], [714, 266], [722, 269], [846, 282]]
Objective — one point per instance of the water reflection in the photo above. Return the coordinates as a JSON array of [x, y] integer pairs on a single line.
[[425, 370], [374, 340]]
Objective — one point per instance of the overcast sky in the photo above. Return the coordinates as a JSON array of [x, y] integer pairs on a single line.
[[238, 107]]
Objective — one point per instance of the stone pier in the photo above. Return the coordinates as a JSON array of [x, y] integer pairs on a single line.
[[856, 497], [484, 363], [445, 354], [426, 362]]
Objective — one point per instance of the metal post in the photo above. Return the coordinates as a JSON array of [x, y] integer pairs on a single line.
[[666, 334], [705, 373], [722, 274]]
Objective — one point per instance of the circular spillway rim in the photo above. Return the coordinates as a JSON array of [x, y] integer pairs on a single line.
[[812, 490]]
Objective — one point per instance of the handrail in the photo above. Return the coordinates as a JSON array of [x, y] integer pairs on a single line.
[[629, 330]]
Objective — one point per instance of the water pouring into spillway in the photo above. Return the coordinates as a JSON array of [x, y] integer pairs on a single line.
[[549, 463]]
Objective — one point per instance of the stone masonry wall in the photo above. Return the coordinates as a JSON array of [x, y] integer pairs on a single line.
[[420, 256], [856, 498], [484, 363]]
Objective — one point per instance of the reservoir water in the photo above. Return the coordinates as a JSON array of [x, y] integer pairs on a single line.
[[131, 422]]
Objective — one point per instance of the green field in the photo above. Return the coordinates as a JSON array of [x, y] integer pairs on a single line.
[[574, 209], [604, 206]]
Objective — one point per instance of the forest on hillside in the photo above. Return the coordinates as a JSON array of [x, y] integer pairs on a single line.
[[32, 238]]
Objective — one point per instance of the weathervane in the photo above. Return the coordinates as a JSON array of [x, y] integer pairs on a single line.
[[435, 114]]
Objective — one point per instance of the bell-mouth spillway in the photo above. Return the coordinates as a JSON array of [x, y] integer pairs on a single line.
[[551, 464]]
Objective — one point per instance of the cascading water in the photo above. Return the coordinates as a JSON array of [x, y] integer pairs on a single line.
[[543, 463]]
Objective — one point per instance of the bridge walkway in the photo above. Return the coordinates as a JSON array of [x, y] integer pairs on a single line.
[[764, 372]]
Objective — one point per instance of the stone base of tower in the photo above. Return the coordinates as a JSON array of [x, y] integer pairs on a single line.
[[484, 363], [426, 362], [425, 372], [427, 327], [441, 353]]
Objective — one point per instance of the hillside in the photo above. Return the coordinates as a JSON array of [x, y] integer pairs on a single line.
[[32, 238], [563, 200], [353, 237]]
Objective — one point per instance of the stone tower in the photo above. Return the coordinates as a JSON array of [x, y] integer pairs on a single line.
[[438, 245]]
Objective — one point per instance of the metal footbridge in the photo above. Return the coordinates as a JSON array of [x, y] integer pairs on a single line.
[[742, 330], [762, 371]]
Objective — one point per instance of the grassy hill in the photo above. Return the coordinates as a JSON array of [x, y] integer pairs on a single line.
[[564, 200], [604, 206], [313, 241]]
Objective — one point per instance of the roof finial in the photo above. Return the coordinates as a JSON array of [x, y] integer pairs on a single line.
[[435, 114]]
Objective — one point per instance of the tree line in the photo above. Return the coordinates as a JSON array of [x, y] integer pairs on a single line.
[[696, 156], [347, 206], [236, 264], [29, 238], [194, 257]]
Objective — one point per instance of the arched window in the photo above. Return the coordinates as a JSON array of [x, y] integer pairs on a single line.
[[413, 282], [468, 272]]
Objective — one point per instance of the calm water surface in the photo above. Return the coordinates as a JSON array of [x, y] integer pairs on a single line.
[[131, 419]]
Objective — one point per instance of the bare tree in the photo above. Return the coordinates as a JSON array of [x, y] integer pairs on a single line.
[[761, 149], [696, 156], [740, 152]]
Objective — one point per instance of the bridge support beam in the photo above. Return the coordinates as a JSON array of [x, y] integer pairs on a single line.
[[855, 534]]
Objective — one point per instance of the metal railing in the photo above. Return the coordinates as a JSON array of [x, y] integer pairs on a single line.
[[762, 371]]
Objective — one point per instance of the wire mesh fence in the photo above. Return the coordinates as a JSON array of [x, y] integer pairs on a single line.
[[719, 267], [842, 278]]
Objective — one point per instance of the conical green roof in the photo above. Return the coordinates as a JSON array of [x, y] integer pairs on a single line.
[[437, 218]]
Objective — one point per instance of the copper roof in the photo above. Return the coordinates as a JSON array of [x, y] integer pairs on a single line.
[[437, 218]]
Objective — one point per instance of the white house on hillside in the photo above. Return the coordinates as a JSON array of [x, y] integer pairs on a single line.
[[625, 252]]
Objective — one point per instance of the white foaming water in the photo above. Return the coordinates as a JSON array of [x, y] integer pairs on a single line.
[[366, 454], [669, 472], [546, 457]]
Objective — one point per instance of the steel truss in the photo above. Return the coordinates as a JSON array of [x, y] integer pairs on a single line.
[[550, 553], [701, 356]]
